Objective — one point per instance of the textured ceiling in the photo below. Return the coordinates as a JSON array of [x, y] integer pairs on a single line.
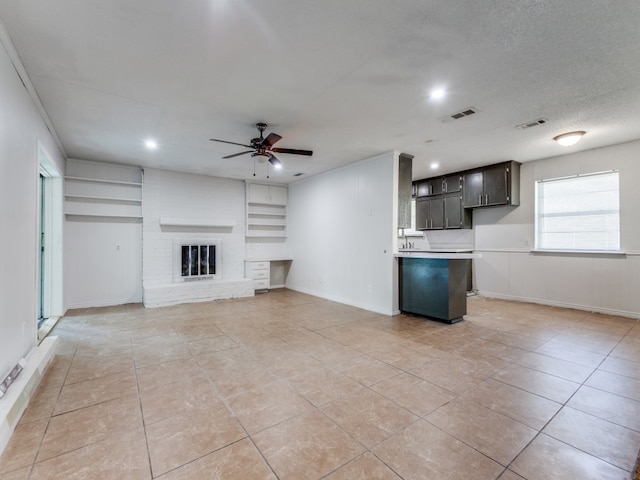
[[347, 79]]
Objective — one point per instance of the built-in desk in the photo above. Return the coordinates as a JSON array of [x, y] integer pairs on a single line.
[[434, 284], [267, 273]]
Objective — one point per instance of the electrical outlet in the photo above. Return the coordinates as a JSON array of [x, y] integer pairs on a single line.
[[6, 383]]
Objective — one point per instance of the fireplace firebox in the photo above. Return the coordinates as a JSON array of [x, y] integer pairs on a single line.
[[197, 260]]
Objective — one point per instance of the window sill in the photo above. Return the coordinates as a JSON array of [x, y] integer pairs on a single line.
[[617, 253]]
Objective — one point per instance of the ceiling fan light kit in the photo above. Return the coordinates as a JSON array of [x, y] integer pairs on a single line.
[[263, 148]]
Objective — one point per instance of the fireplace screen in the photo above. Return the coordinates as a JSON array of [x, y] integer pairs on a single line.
[[198, 260]]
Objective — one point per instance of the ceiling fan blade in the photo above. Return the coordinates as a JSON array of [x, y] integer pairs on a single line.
[[236, 154], [271, 139], [293, 151], [232, 143]]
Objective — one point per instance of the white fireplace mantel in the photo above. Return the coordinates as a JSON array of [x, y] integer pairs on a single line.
[[197, 222]]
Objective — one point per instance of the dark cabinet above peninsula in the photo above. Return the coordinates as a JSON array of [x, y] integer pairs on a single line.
[[438, 212], [445, 202]]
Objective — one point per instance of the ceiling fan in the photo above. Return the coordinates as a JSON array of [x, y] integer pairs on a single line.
[[263, 147]]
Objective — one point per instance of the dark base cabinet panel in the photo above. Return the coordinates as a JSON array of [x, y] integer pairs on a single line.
[[434, 287]]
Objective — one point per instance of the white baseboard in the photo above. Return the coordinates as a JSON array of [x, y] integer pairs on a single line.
[[103, 303], [586, 308], [14, 403], [334, 298]]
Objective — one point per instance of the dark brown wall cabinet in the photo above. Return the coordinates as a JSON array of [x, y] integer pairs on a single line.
[[430, 186], [443, 210], [446, 202], [491, 186], [430, 213]]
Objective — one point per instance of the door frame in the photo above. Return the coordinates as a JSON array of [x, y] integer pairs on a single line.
[[50, 219]]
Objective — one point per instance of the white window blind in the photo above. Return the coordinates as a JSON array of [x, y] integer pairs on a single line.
[[578, 213]]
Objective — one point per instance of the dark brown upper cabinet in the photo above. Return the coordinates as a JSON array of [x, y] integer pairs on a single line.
[[491, 186]]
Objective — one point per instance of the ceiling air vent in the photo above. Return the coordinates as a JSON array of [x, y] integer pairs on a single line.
[[535, 123], [458, 115]]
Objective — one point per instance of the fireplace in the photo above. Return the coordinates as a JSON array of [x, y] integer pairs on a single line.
[[197, 260]]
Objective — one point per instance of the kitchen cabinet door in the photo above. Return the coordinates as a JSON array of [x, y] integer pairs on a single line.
[[277, 195], [436, 211], [455, 215], [473, 189], [422, 213], [258, 193], [496, 186], [436, 186], [267, 194], [430, 186], [430, 213], [493, 185], [452, 183]]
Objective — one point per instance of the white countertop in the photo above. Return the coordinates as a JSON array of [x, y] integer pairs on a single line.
[[449, 254], [435, 250], [269, 259]]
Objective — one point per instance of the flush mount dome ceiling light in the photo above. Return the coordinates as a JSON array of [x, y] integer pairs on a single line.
[[568, 139]]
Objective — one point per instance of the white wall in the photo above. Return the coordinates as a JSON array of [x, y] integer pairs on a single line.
[[21, 128], [197, 197], [342, 235], [102, 255], [505, 235]]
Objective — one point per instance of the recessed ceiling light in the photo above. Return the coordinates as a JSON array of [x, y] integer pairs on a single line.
[[438, 94], [568, 139], [150, 144], [434, 165]]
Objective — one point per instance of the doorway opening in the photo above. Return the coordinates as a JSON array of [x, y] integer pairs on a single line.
[[49, 244], [41, 248]]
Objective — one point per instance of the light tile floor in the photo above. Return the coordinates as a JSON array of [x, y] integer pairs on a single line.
[[289, 386]]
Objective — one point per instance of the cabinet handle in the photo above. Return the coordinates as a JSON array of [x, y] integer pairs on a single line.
[[479, 199], [486, 199], [446, 223]]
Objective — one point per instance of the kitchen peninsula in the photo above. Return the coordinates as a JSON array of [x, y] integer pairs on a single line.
[[433, 284]]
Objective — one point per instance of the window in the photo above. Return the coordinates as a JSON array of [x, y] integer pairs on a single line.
[[578, 213], [411, 232]]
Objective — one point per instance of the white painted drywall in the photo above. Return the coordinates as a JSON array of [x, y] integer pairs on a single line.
[[22, 129], [102, 255], [505, 235], [342, 235], [198, 197]]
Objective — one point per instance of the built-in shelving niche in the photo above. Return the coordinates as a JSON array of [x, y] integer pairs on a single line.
[[101, 190]]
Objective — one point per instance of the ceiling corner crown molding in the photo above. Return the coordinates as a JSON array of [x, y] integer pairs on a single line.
[[10, 48]]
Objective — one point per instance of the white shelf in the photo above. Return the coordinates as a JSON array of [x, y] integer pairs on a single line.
[[267, 222], [100, 180], [72, 214], [266, 211], [263, 214], [114, 199], [267, 235], [196, 222], [101, 191]]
